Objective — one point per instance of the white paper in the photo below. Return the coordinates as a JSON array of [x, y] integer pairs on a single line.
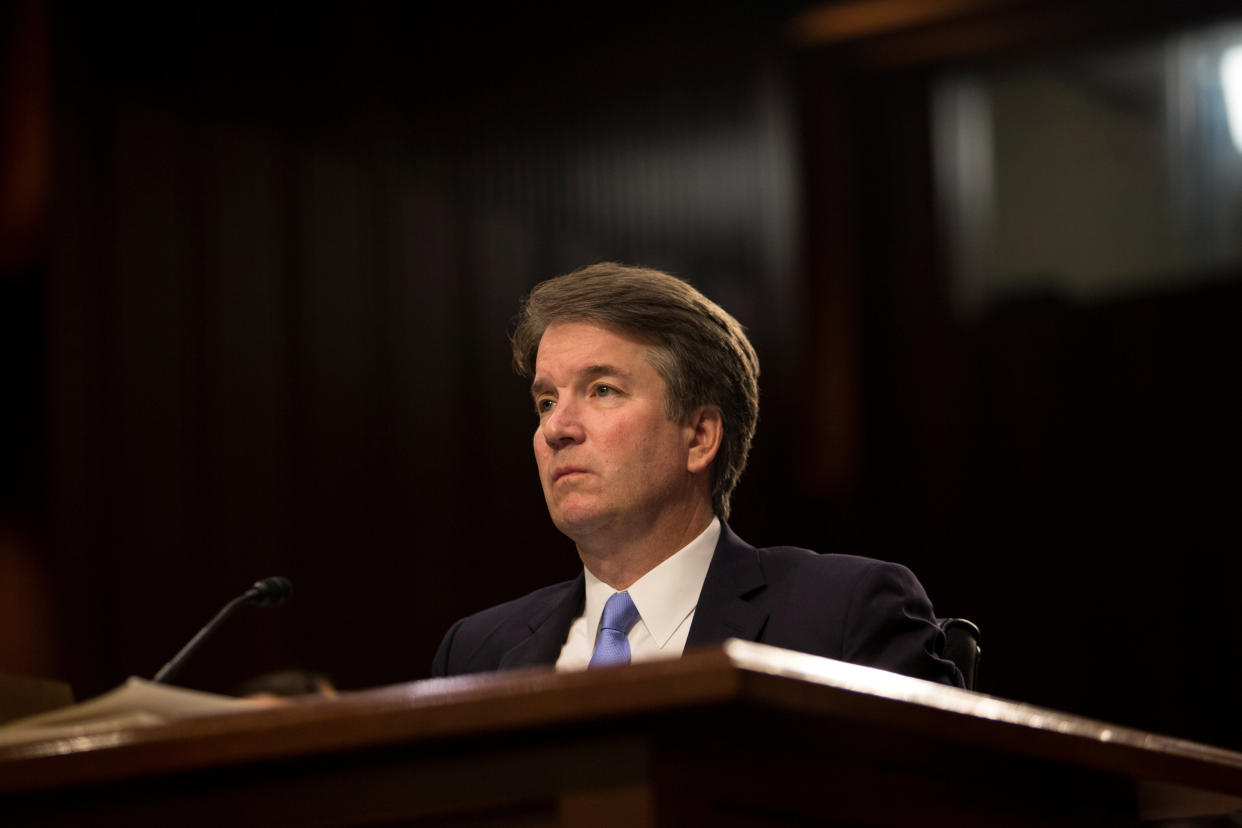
[[137, 702]]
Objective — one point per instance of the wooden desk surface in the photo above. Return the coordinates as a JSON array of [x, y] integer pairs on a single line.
[[740, 705]]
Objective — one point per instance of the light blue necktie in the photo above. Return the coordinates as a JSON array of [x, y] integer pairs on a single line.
[[612, 646]]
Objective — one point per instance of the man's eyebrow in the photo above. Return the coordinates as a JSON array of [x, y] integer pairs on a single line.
[[588, 373], [592, 371]]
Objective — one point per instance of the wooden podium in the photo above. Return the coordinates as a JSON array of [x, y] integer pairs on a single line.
[[738, 735]]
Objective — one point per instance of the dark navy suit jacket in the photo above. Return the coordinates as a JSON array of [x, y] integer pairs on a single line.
[[840, 606]]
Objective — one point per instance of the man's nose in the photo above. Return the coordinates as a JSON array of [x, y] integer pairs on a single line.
[[563, 425]]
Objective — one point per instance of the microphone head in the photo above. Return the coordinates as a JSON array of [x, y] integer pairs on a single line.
[[270, 592]]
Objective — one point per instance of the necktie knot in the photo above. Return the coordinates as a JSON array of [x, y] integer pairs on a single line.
[[612, 646]]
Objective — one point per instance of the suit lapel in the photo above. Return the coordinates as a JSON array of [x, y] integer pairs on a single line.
[[723, 610], [549, 627]]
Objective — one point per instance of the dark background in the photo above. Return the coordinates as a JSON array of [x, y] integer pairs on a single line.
[[258, 265]]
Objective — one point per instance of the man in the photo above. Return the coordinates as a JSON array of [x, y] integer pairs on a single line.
[[647, 396]]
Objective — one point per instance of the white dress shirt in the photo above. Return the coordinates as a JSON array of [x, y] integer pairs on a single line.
[[665, 597]]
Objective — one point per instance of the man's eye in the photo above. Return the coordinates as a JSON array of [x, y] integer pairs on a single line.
[[604, 390], [544, 406]]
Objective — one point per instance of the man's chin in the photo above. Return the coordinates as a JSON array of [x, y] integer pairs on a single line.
[[579, 523]]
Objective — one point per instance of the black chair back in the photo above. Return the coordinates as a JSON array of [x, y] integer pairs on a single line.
[[962, 647]]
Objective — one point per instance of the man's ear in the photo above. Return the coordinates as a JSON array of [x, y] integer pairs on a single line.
[[705, 429]]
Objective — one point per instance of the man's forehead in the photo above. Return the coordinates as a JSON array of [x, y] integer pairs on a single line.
[[587, 348]]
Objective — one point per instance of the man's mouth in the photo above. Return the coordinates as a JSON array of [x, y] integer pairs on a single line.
[[567, 471]]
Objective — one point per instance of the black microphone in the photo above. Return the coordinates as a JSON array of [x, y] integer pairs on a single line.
[[270, 592]]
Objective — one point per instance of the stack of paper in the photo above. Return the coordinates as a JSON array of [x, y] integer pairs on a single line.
[[136, 702]]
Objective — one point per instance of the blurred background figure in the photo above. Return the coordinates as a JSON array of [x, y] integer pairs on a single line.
[[288, 683]]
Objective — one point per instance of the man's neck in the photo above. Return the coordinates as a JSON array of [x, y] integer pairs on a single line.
[[620, 561]]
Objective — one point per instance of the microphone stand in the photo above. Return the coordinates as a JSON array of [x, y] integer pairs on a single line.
[[270, 592]]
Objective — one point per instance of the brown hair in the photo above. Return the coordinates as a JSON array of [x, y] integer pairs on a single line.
[[699, 350]]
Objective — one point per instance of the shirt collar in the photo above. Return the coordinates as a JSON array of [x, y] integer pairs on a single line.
[[666, 594]]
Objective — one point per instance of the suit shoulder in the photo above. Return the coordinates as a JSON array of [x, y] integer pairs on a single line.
[[478, 641]]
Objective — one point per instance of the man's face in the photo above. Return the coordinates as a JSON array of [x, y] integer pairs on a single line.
[[610, 461]]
